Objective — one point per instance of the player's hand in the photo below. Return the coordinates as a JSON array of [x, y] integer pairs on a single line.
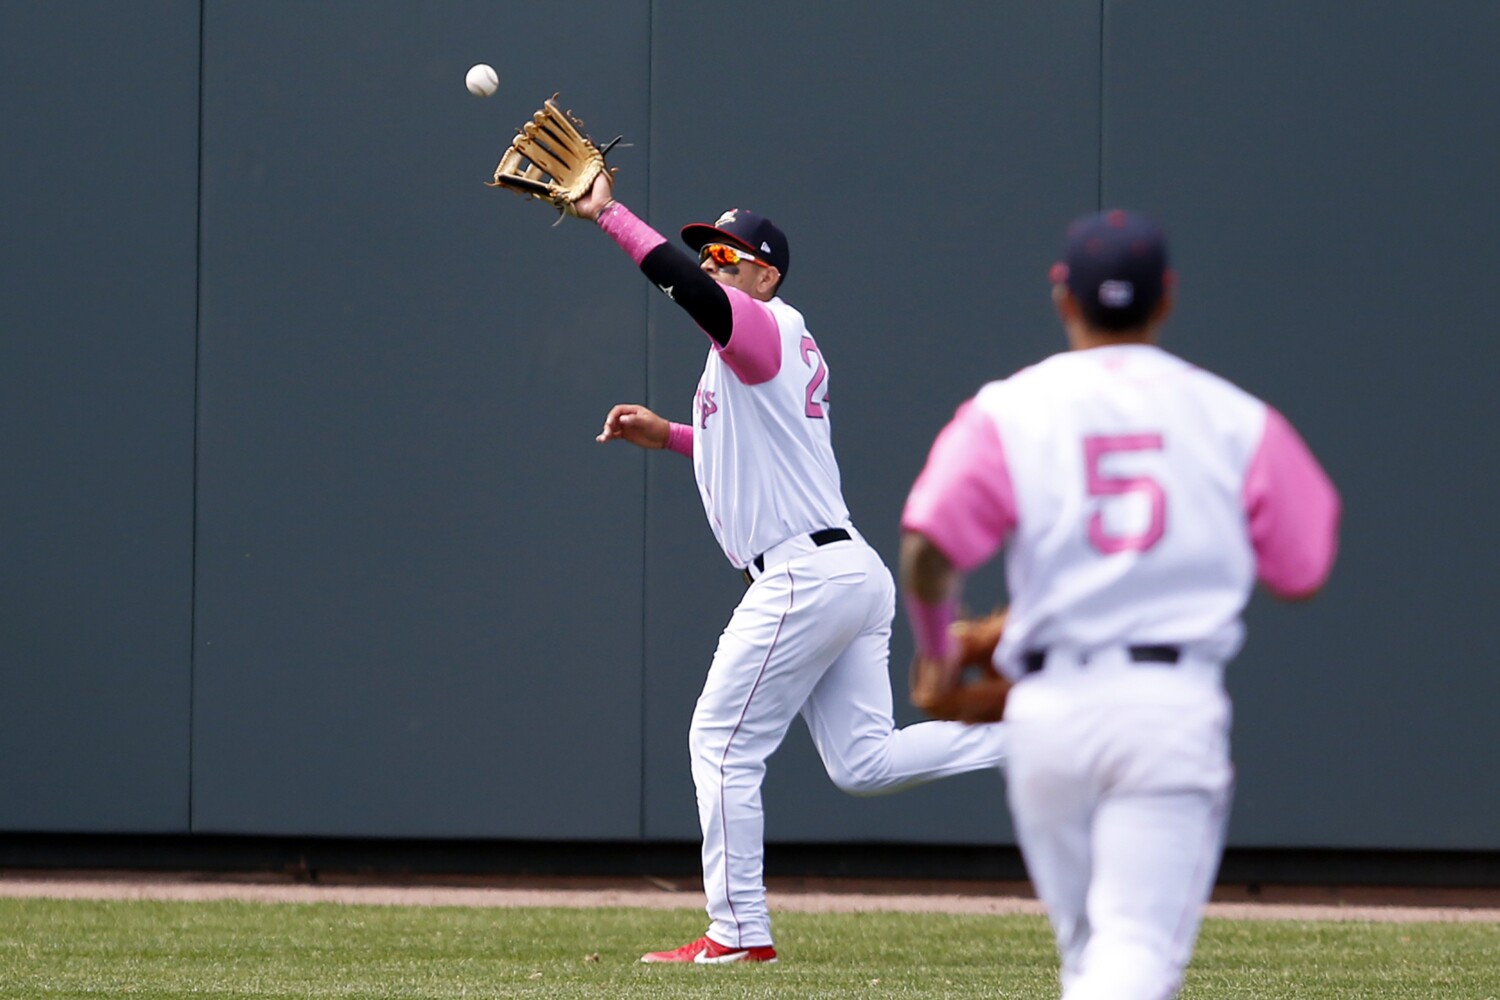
[[599, 196], [959, 692], [636, 424]]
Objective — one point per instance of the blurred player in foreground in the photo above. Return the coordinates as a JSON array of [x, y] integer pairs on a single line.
[[1140, 498]]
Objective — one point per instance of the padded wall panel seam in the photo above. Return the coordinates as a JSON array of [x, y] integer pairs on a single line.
[[96, 385], [918, 276]]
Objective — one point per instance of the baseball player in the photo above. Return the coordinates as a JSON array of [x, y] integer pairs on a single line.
[[811, 636], [1141, 498]]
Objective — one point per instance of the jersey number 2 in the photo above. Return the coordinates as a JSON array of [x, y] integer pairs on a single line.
[[810, 351], [1100, 485]]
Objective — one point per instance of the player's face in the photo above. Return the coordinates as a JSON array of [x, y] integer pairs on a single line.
[[733, 275], [753, 277]]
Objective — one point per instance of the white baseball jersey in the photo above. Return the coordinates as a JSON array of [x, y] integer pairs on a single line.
[[1131, 480], [811, 637], [763, 452]]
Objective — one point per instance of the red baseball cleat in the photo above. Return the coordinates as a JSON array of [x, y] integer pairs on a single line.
[[707, 951]]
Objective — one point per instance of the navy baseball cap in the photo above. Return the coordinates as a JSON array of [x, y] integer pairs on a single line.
[[755, 234], [1115, 264]]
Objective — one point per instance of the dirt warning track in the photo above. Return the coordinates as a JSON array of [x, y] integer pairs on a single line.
[[787, 895]]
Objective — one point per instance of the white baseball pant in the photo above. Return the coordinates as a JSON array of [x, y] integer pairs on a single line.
[[811, 637], [1119, 784]]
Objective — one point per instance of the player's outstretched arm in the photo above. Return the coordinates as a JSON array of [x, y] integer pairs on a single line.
[[674, 272], [636, 424]]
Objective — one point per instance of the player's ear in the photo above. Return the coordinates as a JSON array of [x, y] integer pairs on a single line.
[[1067, 305], [769, 278], [1163, 309]]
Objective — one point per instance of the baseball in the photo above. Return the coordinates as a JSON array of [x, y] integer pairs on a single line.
[[482, 80]]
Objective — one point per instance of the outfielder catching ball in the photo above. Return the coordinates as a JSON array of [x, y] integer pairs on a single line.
[[1140, 498], [811, 635]]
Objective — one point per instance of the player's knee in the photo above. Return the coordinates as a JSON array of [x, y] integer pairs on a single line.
[[705, 752], [707, 738], [719, 758], [859, 785], [866, 775]]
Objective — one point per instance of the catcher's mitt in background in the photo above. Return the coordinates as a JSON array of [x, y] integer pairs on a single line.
[[551, 159], [969, 689]]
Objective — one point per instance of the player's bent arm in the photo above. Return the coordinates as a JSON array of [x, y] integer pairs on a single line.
[[926, 573], [963, 501], [636, 424], [1293, 511], [680, 439], [956, 517], [930, 585]]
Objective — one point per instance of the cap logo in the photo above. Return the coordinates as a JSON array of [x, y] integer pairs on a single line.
[[726, 218], [1116, 294], [765, 247]]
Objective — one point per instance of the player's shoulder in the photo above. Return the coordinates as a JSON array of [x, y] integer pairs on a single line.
[[1212, 382], [1070, 376], [1037, 378], [1140, 364], [784, 312], [1216, 405]]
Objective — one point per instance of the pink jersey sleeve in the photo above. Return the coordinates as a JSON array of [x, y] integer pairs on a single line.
[[634, 236], [1293, 510], [963, 501], [680, 439], [754, 349]]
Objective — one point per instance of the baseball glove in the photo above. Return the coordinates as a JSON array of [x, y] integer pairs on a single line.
[[968, 689], [551, 159]]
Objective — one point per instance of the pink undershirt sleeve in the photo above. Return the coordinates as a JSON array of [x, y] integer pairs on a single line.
[[680, 439], [754, 349], [634, 236], [1293, 510], [929, 625], [963, 500]]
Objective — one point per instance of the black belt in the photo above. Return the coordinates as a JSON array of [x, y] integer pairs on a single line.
[[819, 538], [1034, 659]]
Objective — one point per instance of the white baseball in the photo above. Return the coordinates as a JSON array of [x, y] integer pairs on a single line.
[[482, 80]]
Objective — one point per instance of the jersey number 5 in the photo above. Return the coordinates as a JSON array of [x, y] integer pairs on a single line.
[[1100, 485]]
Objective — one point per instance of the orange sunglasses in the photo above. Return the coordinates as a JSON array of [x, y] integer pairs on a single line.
[[726, 256]]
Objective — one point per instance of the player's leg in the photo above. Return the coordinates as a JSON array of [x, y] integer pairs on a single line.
[[1158, 838], [1052, 807], [777, 644], [849, 713], [1155, 860], [849, 716]]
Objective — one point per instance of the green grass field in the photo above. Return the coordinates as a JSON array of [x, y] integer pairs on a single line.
[[54, 949]]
